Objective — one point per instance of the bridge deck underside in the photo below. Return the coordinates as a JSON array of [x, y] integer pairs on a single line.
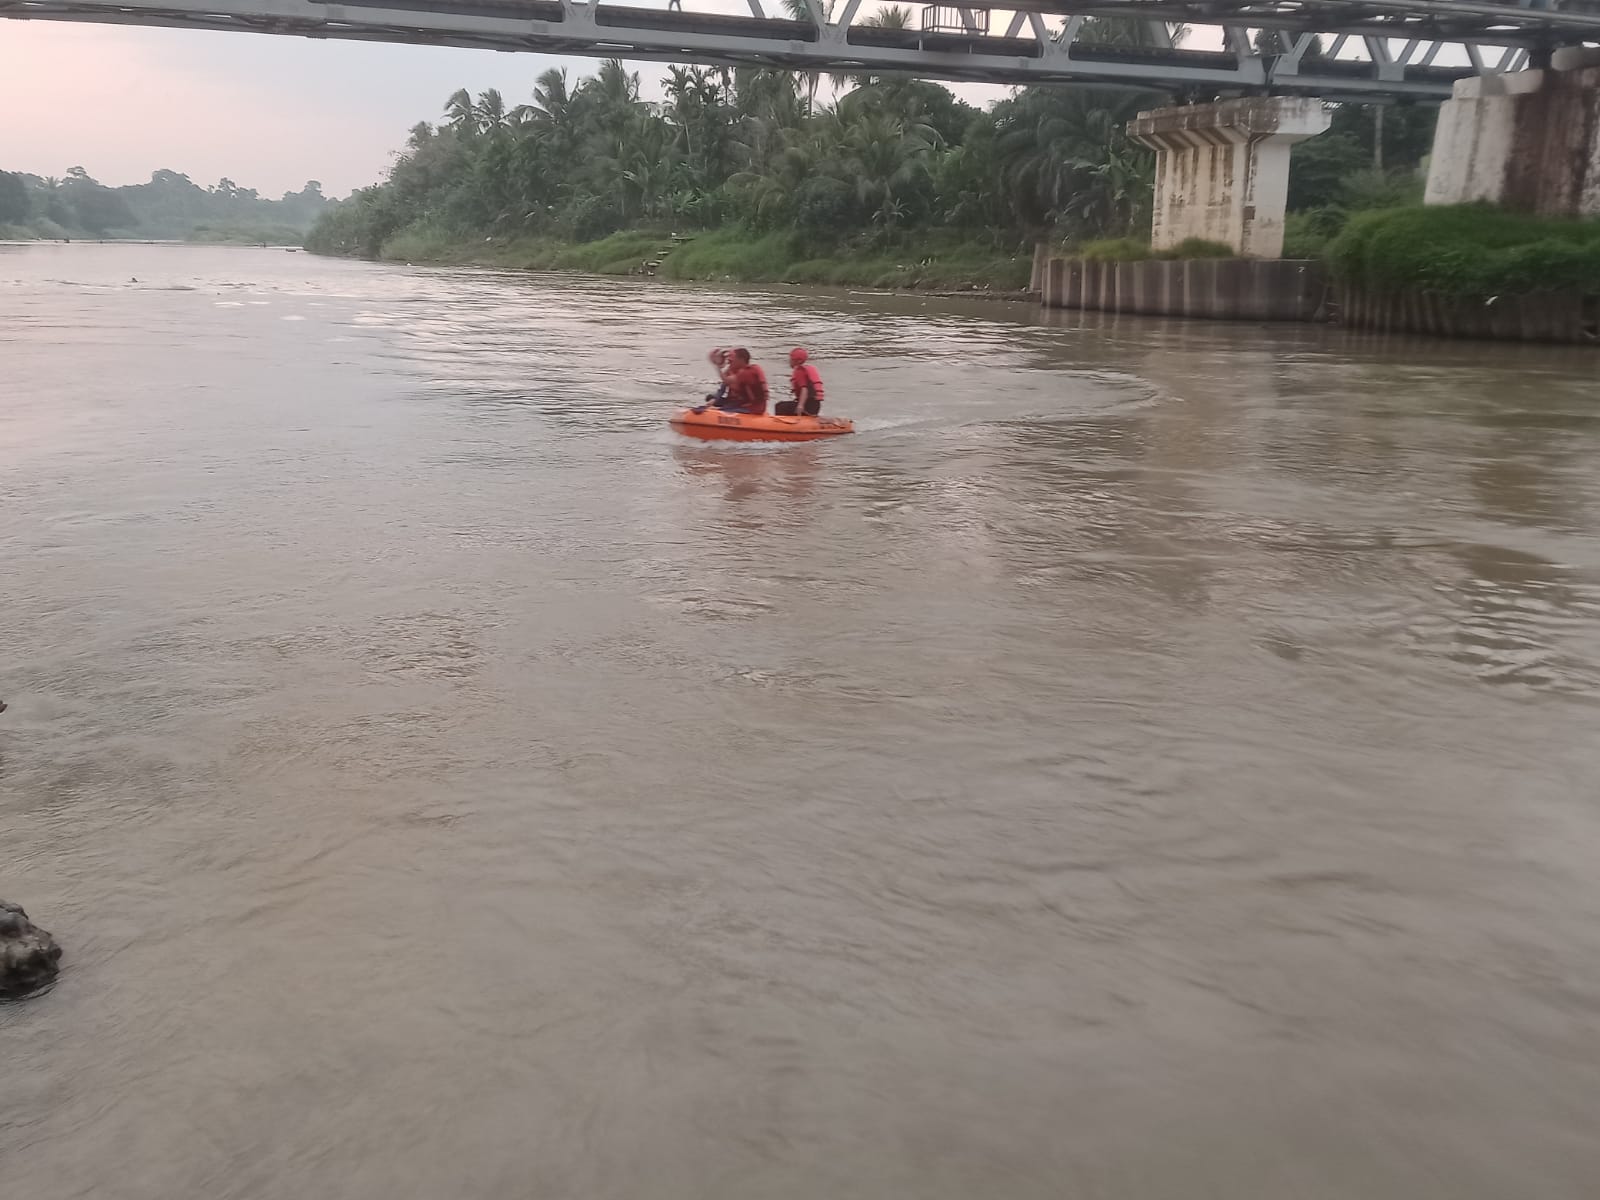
[[1372, 49]]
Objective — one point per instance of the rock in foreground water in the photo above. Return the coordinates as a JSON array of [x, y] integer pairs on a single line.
[[28, 955]]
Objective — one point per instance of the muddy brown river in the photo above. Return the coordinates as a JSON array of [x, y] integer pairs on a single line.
[[1148, 761]]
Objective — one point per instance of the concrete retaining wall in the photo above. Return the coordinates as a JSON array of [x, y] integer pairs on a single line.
[[1245, 289], [1239, 289], [1041, 262], [1540, 317]]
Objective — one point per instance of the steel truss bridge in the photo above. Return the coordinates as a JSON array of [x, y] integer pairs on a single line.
[[1337, 49]]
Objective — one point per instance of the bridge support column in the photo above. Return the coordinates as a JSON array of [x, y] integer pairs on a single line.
[[1222, 169], [1529, 140]]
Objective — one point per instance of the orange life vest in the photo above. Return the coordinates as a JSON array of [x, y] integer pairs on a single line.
[[805, 374]]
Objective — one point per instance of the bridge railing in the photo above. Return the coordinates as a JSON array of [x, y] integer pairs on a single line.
[[946, 18], [1364, 49]]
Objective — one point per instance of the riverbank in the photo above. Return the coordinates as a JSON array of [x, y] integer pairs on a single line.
[[929, 262], [276, 235], [1468, 271], [40, 230]]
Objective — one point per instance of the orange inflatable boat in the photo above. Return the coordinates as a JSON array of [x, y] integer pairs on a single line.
[[745, 427]]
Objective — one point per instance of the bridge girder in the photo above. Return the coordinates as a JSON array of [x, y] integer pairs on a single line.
[[1375, 49]]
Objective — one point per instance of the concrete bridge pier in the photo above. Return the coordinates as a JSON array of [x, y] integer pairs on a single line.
[[1528, 140], [1222, 169]]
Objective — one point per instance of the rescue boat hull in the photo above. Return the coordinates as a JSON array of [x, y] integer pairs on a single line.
[[717, 425]]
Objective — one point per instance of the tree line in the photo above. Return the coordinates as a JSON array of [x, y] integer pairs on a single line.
[[890, 157], [757, 147], [169, 206]]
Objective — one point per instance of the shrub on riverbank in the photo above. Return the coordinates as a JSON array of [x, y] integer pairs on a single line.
[[1125, 249], [1308, 234], [734, 254], [39, 228], [1466, 250], [624, 253], [1134, 250], [247, 235], [931, 259]]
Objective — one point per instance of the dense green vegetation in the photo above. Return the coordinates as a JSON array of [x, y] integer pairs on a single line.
[[1127, 249], [895, 181], [170, 206], [937, 259], [1371, 158], [1466, 250]]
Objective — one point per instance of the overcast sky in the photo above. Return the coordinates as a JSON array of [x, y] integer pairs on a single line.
[[266, 112]]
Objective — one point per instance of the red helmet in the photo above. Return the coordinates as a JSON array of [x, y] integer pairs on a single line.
[[797, 356]]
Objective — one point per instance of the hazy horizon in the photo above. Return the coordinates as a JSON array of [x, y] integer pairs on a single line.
[[267, 112]]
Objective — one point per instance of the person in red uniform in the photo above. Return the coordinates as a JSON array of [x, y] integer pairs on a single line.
[[747, 385], [806, 384]]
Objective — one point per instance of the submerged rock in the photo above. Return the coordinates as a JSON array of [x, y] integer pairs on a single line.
[[28, 955]]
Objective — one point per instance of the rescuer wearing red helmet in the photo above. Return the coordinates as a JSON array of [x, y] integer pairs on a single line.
[[806, 383]]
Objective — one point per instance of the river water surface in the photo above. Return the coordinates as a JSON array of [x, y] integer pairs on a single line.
[[1147, 761]]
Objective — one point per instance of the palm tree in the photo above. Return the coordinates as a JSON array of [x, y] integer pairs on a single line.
[[781, 163], [614, 85], [887, 157], [584, 159], [1126, 31], [490, 111], [697, 112], [460, 113], [1066, 156], [895, 16], [811, 79], [550, 99], [767, 94], [648, 165], [970, 191]]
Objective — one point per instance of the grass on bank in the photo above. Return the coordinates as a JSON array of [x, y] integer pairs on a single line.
[[247, 235], [619, 254], [1127, 249], [1466, 250], [925, 260], [44, 229], [1308, 234], [39, 228]]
